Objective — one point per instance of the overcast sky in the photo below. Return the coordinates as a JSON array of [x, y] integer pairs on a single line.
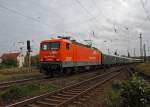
[[116, 23]]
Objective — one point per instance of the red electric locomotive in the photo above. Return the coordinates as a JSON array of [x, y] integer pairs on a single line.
[[63, 54]]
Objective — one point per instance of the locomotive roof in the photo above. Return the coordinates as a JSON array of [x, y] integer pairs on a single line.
[[84, 45], [72, 41]]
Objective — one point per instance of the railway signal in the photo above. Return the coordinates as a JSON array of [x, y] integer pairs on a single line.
[[28, 46], [28, 55]]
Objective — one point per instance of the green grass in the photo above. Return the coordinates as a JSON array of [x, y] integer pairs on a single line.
[[12, 94], [114, 97], [16, 92], [14, 71], [129, 93], [18, 76], [144, 67]]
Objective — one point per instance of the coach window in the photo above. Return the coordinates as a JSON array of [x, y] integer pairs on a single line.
[[67, 46]]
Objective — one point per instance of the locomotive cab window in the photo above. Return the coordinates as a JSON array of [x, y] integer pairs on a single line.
[[44, 46], [50, 45], [67, 46], [54, 45]]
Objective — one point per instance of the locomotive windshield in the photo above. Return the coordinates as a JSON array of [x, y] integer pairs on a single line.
[[50, 45]]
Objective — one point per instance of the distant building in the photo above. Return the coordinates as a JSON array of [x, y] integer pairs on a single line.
[[19, 57]]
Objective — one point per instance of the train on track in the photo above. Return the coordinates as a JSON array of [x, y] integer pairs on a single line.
[[63, 55]]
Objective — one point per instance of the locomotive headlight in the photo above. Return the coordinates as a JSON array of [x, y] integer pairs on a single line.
[[41, 59], [57, 59]]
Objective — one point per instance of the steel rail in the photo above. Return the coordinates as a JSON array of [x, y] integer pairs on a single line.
[[8, 84], [67, 94]]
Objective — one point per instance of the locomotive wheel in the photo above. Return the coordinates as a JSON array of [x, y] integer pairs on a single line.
[[60, 72], [52, 73]]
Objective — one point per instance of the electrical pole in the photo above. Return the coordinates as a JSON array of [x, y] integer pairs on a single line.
[[108, 51], [115, 53], [141, 50], [128, 53], [134, 53], [144, 47], [93, 33]]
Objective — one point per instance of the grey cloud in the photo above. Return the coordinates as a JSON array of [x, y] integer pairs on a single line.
[[117, 21]]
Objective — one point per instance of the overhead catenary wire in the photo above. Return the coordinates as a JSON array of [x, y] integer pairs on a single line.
[[88, 12], [79, 23], [29, 17], [93, 17], [37, 19], [106, 18], [145, 10], [23, 15]]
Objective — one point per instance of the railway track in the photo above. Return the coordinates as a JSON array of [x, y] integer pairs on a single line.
[[5, 85], [133, 70], [8, 84], [69, 96]]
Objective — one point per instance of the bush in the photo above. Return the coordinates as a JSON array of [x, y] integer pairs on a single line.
[[115, 99], [0, 66], [51, 87], [13, 93], [133, 93], [116, 85], [18, 92], [34, 61], [31, 89], [9, 63]]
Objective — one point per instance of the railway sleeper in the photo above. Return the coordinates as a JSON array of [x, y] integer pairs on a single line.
[[77, 104], [63, 95], [31, 105], [78, 89], [74, 91], [70, 93], [82, 99], [58, 98], [82, 88], [52, 100], [45, 104], [86, 96]]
